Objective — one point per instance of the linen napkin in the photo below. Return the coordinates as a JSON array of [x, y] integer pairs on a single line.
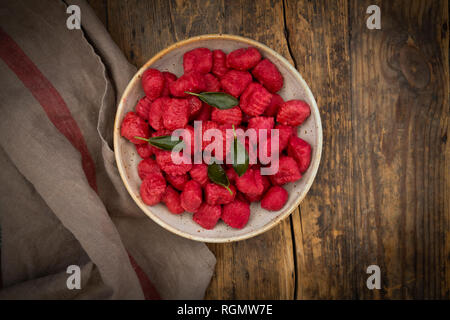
[[62, 201]]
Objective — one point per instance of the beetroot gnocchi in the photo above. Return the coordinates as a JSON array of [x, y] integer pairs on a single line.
[[172, 103]]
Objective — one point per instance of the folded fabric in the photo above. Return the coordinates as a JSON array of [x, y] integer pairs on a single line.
[[62, 201]]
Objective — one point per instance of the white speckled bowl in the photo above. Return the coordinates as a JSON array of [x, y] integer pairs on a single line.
[[171, 59]]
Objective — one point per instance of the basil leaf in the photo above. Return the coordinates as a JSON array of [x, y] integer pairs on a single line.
[[219, 100], [217, 175], [239, 153], [240, 150], [162, 142]]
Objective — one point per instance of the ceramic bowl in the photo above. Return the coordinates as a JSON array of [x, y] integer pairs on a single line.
[[171, 59]]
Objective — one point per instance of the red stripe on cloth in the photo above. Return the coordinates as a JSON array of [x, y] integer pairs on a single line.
[[49, 98], [59, 114], [149, 290]]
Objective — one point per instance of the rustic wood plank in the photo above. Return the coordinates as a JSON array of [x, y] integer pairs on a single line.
[[381, 195], [400, 103], [318, 37], [259, 268]]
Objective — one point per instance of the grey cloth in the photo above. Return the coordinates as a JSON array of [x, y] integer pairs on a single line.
[[50, 217]]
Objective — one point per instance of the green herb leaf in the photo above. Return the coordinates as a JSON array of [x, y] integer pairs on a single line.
[[217, 175], [162, 142], [219, 100], [239, 153]]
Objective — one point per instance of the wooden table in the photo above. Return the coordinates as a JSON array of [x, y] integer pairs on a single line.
[[382, 193]]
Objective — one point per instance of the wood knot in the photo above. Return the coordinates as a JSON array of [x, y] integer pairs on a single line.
[[414, 67]]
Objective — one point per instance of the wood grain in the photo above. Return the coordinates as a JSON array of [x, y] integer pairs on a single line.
[[319, 39], [400, 102], [382, 194]]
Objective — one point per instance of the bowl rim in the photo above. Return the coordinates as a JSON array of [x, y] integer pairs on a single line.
[[315, 161]]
